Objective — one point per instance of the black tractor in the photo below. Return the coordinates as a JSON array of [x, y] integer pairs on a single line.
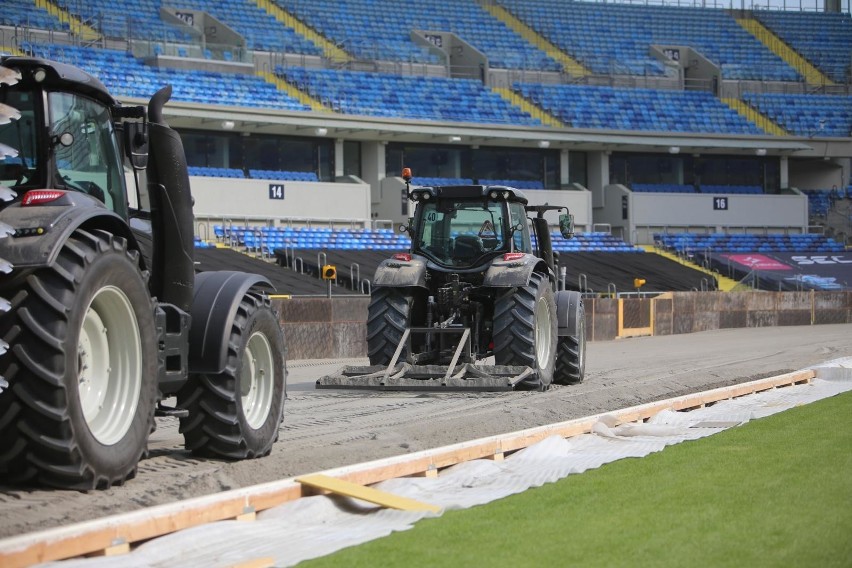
[[102, 317], [472, 288]]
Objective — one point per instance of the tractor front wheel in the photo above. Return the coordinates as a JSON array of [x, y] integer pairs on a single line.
[[236, 414]]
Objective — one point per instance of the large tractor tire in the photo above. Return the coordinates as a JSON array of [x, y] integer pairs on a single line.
[[525, 328], [82, 368], [571, 354], [388, 316], [236, 414]]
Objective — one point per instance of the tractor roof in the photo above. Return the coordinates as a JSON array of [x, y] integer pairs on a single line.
[[61, 76], [500, 192]]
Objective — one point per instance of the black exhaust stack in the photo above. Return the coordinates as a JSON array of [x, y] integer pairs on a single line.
[[173, 264], [542, 235]]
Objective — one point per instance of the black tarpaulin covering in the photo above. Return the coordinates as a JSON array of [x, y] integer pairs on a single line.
[[660, 274]]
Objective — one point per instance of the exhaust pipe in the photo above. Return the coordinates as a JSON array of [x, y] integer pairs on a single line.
[[173, 264]]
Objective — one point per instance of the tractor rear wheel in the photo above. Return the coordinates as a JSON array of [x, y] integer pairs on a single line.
[[571, 354], [236, 414], [525, 328], [388, 316], [82, 367]]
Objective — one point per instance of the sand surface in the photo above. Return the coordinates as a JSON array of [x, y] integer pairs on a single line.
[[326, 429]]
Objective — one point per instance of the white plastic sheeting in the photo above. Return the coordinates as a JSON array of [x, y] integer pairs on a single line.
[[316, 526]]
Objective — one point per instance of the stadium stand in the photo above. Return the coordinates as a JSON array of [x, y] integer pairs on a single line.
[[579, 29], [380, 29], [260, 29], [265, 239], [732, 189], [819, 202], [721, 242], [424, 98], [823, 38], [662, 188], [516, 183], [24, 13], [125, 75], [215, 172], [583, 106], [438, 181], [123, 19], [591, 242], [283, 175], [806, 115]]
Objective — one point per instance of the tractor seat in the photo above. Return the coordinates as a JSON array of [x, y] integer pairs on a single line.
[[467, 247]]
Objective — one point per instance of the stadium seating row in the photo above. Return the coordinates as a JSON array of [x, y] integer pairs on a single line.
[[270, 238], [614, 38], [124, 75], [806, 115], [721, 242], [707, 188], [582, 106], [278, 175], [425, 98], [822, 38], [516, 183]]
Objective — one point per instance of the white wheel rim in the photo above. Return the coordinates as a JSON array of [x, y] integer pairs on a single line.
[[542, 333], [109, 365], [257, 380]]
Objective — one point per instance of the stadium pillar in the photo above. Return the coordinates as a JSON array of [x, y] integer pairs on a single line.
[[564, 168], [338, 158]]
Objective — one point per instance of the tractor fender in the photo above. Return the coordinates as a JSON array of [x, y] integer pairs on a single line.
[[216, 297], [57, 223], [509, 273], [568, 304], [395, 273]]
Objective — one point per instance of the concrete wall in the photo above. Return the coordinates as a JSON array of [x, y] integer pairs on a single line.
[[317, 328], [237, 198]]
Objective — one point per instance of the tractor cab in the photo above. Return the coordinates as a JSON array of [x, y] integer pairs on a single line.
[[57, 133], [464, 227]]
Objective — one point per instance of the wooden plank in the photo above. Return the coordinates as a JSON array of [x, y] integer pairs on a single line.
[[116, 549], [381, 498], [98, 535], [263, 562]]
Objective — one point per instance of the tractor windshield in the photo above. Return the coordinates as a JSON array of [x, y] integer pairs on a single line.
[[86, 150], [460, 232]]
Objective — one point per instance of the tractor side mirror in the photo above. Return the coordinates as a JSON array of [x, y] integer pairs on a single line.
[[566, 225], [409, 228], [136, 144]]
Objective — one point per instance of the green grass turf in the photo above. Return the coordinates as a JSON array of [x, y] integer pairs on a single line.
[[774, 492]]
